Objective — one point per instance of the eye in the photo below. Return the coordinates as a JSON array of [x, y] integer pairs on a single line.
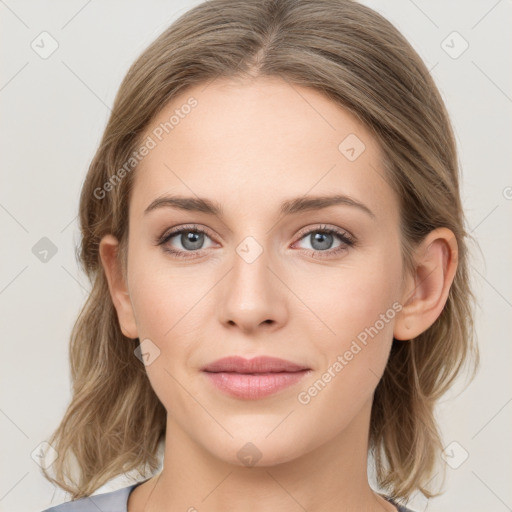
[[321, 241], [190, 238]]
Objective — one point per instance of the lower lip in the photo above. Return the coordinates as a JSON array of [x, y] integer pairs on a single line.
[[254, 386]]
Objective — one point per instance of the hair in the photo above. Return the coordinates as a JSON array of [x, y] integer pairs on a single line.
[[360, 61]]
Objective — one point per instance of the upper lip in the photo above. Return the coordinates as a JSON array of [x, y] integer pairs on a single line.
[[261, 364]]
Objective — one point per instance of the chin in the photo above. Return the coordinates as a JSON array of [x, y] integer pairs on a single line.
[[252, 449]]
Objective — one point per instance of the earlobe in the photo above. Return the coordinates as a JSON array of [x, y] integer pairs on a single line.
[[109, 248], [424, 299]]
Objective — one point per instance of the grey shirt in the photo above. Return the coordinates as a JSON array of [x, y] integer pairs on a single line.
[[117, 501]]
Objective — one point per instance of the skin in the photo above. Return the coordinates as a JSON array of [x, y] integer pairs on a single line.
[[251, 145]]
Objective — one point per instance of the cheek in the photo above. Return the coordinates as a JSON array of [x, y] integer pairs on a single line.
[[163, 296], [355, 356], [163, 307], [360, 308]]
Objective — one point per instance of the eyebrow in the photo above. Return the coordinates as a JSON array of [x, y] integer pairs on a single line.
[[288, 207]]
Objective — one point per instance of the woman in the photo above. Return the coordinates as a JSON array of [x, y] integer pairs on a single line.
[[273, 229]]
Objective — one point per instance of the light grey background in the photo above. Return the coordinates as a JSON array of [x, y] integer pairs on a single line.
[[53, 112]]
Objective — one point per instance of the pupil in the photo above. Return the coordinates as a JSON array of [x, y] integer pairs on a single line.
[[191, 240], [324, 239]]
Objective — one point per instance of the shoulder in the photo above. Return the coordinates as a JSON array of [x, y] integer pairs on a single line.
[[113, 501]]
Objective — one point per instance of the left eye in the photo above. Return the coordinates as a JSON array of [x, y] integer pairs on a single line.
[[323, 239]]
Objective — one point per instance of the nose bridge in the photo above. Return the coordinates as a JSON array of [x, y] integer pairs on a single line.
[[250, 278], [252, 294]]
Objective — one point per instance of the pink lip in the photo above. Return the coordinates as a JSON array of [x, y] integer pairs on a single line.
[[253, 378], [261, 364]]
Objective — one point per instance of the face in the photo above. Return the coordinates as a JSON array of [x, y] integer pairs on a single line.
[[317, 286]]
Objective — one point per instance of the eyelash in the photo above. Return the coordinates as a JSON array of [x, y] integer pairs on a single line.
[[345, 238]]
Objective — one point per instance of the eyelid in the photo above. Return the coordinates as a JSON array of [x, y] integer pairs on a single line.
[[329, 228], [184, 227]]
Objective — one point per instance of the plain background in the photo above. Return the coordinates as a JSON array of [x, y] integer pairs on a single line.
[[53, 112]]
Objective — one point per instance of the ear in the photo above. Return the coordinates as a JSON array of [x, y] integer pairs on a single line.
[[427, 289], [109, 254]]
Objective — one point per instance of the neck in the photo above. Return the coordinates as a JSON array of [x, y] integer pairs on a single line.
[[330, 477]]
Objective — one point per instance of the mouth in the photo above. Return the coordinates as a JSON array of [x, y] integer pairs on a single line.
[[254, 378], [255, 366], [250, 386]]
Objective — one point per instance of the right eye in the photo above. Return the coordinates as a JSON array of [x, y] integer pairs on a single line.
[[190, 238]]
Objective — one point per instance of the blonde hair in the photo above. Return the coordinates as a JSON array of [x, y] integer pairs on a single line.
[[360, 61]]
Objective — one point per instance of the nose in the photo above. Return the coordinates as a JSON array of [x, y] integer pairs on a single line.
[[253, 294]]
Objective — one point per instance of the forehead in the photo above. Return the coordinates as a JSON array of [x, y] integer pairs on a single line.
[[246, 143]]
